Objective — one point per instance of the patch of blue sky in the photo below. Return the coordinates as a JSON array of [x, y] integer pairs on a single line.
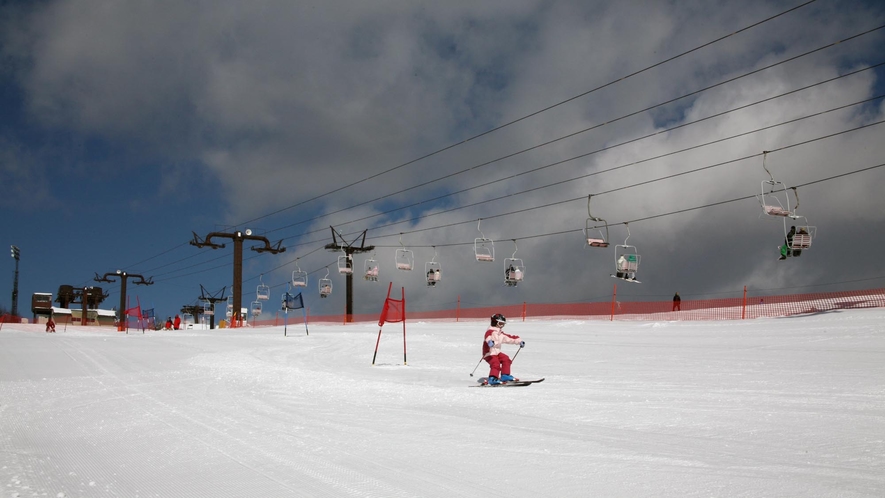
[[672, 114]]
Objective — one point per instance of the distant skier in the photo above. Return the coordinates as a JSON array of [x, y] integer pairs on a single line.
[[50, 325], [499, 362], [177, 323], [168, 325], [677, 302]]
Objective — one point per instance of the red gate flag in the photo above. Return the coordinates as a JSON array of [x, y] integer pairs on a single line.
[[394, 311]]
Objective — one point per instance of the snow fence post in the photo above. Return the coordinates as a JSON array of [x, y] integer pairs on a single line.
[[614, 296], [404, 327]]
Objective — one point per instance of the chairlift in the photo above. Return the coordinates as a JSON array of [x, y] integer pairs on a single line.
[[776, 201], [263, 291], [370, 269], [230, 306], [433, 271], [405, 259], [800, 235], [299, 277], [514, 269], [593, 225], [207, 308], [345, 264], [483, 248], [626, 260], [325, 285], [255, 309]]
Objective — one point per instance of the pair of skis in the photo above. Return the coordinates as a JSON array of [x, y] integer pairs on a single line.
[[484, 382]]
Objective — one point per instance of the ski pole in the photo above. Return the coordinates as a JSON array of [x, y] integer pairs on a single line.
[[515, 355], [477, 366]]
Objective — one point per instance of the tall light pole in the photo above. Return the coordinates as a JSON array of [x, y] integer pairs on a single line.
[[16, 254]]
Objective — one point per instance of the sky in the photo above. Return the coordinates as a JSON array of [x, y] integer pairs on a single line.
[[788, 407], [126, 128]]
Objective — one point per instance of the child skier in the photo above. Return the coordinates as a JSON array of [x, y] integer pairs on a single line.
[[491, 350]]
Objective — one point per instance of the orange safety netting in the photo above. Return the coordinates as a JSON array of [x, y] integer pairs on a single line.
[[736, 308]]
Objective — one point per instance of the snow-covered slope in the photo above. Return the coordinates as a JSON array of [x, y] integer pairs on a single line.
[[774, 407]]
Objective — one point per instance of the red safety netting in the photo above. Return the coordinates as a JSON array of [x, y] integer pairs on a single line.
[[735, 308], [9, 318]]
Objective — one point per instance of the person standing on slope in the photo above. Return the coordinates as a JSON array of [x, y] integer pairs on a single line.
[[499, 362]]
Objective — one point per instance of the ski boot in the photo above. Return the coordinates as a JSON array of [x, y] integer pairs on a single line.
[[493, 381], [508, 378]]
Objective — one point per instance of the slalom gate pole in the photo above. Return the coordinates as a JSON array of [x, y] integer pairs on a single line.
[[382, 319], [376, 346], [304, 315], [477, 366], [404, 326]]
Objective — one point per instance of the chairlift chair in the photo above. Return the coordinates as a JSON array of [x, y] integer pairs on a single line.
[[370, 270], [325, 285], [263, 291], [255, 309], [775, 202], [345, 264], [483, 248], [626, 261], [801, 234], [804, 232], [405, 259], [802, 238], [230, 306], [207, 308], [299, 277], [514, 269], [432, 271], [592, 225]]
